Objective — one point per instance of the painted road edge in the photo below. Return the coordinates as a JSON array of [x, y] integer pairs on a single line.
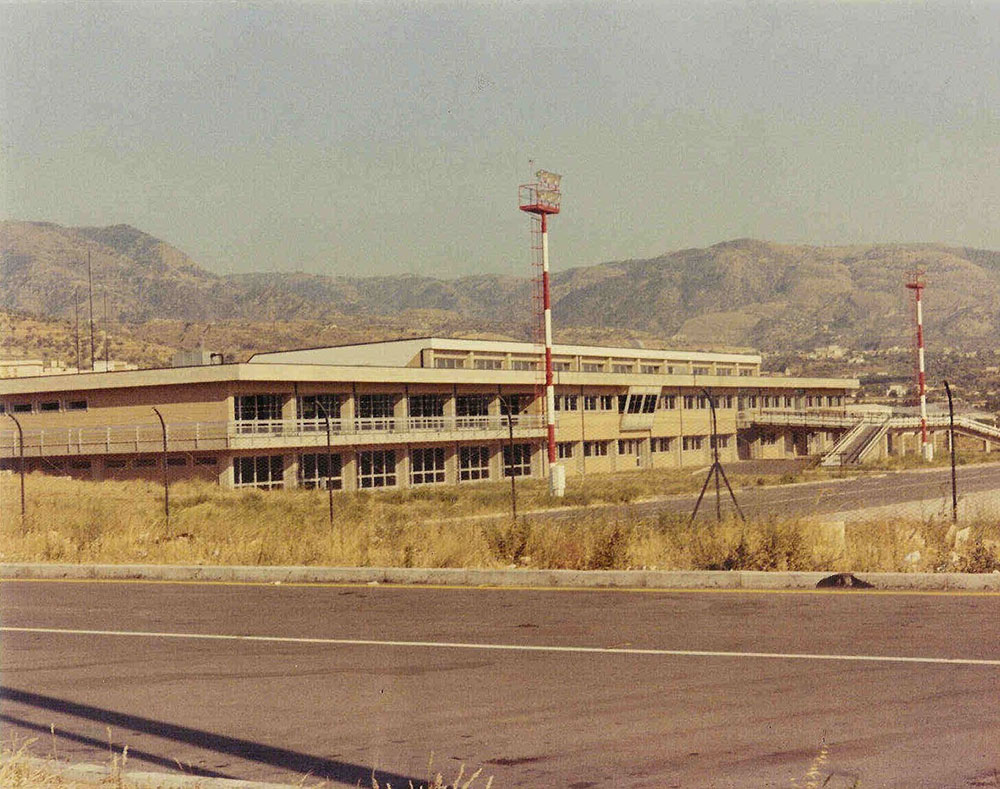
[[610, 579]]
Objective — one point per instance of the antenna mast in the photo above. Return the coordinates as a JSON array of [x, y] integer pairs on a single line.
[[541, 199], [90, 286], [76, 318], [917, 285]]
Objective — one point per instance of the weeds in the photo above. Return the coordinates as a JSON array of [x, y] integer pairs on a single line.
[[121, 522]]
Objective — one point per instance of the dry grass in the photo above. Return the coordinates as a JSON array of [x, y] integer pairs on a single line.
[[122, 522], [20, 770]]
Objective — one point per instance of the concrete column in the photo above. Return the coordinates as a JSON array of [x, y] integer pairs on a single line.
[[347, 410], [226, 476], [290, 475], [451, 463], [496, 462], [402, 465], [288, 407], [349, 467]]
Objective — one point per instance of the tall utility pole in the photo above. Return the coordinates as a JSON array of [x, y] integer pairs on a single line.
[[541, 199], [107, 334], [917, 285], [76, 318], [90, 285]]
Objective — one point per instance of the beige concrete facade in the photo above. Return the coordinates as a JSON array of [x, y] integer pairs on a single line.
[[408, 421]]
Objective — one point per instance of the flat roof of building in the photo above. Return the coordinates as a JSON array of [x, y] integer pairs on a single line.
[[400, 352], [345, 374]]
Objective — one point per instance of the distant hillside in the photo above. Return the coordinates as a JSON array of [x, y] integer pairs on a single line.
[[743, 293]]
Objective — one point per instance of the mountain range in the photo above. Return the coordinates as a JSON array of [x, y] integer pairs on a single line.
[[741, 293]]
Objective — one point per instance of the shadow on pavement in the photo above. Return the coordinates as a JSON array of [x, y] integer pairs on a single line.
[[303, 763]]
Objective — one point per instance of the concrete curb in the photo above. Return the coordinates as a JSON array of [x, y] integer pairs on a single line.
[[97, 773], [562, 579]]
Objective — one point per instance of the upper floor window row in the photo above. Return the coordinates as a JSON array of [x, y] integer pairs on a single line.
[[43, 406]]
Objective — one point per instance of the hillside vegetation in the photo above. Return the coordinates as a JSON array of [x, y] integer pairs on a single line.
[[742, 293]]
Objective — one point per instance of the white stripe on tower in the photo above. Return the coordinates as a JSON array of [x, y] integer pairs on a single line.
[[550, 391]]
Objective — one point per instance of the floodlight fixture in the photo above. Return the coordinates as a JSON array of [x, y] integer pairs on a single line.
[[543, 196]]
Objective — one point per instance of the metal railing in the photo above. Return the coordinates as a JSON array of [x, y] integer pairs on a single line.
[[243, 434], [806, 418]]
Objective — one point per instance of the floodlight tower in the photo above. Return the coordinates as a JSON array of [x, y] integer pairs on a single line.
[[542, 199], [917, 285]]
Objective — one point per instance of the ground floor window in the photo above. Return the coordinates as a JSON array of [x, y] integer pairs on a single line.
[[565, 450], [659, 444], [693, 442], [723, 441], [321, 471], [426, 465], [377, 468], [628, 446], [258, 471], [517, 460], [595, 449], [473, 463]]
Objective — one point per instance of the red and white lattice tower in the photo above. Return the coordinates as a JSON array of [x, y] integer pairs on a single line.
[[541, 199], [917, 285]]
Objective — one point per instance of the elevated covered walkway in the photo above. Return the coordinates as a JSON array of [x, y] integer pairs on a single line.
[[864, 432]]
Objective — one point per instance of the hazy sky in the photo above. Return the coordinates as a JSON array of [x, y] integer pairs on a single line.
[[372, 137]]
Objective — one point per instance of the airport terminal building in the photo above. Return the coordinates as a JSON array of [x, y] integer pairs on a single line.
[[414, 412]]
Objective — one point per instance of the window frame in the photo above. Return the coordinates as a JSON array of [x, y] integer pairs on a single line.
[[427, 465]]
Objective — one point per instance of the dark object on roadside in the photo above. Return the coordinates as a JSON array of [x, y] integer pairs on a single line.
[[843, 581]]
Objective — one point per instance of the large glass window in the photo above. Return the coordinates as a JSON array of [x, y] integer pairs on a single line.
[[377, 468], [472, 405], [376, 406], [514, 403], [426, 465], [426, 405], [473, 463], [595, 448], [312, 406], [258, 413], [258, 471], [376, 411], [517, 460], [659, 444], [628, 446], [319, 470]]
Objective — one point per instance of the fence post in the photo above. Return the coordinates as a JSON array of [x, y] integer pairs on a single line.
[[20, 443], [166, 484], [951, 446]]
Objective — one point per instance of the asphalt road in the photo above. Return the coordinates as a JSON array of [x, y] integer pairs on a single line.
[[838, 495], [542, 688]]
